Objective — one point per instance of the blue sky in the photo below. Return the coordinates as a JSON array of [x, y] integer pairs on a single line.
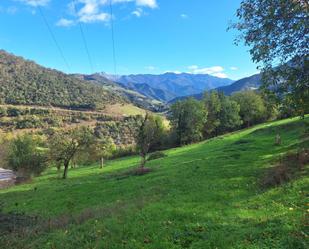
[[151, 36]]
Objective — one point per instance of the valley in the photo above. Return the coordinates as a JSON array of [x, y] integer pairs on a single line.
[[152, 124], [197, 196]]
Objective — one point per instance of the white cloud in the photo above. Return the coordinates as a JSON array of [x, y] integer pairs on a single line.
[[150, 68], [147, 3], [91, 11], [101, 17], [65, 22], [220, 75], [193, 67], [9, 10], [138, 12], [216, 71], [171, 71], [184, 16], [35, 3], [89, 8], [234, 68]]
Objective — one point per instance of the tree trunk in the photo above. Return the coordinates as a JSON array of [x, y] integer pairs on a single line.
[[58, 169], [143, 161], [102, 163], [65, 172]]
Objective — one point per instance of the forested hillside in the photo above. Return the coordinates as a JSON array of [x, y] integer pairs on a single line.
[[25, 82], [138, 97]]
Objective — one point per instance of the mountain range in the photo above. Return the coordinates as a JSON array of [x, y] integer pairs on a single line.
[[249, 83], [138, 98], [165, 87], [24, 82]]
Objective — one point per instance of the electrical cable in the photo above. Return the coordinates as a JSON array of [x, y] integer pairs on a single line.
[[54, 38]]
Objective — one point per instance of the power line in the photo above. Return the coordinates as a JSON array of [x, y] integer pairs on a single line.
[[84, 40], [54, 38], [113, 37]]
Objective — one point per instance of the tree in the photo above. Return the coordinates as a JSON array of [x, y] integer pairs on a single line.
[[25, 157], [149, 135], [100, 149], [252, 107], [213, 106], [278, 35], [229, 115], [64, 145], [188, 118]]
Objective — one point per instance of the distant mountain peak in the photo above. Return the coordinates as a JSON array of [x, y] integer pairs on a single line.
[[164, 87], [249, 83]]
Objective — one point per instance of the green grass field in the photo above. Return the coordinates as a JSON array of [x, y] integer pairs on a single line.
[[205, 195]]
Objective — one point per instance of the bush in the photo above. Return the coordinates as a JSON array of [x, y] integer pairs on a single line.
[[286, 169], [123, 151], [156, 155], [25, 158], [29, 122], [3, 112], [13, 112]]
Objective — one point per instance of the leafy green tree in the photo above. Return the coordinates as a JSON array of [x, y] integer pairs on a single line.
[[25, 157], [252, 107], [149, 135], [188, 118], [278, 36], [229, 115], [273, 108], [64, 145], [100, 149], [213, 106]]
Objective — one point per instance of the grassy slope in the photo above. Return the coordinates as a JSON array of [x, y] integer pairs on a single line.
[[124, 110], [200, 196]]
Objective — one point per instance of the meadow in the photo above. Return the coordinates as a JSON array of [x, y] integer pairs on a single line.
[[205, 195]]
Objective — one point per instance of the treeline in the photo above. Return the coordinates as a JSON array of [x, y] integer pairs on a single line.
[[190, 121], [31, 153], [14, 117], [193, 120]]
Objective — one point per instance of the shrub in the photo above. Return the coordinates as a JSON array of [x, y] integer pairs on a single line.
[[123, 151], [25, 157], [13, 112], [286, 169], [35, 111], [29, 122], [156, 155], [3, 112]]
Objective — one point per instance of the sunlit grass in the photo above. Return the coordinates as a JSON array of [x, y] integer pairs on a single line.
[[204, 195]]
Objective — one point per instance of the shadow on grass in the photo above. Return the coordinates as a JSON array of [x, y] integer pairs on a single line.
[[217, 174]]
